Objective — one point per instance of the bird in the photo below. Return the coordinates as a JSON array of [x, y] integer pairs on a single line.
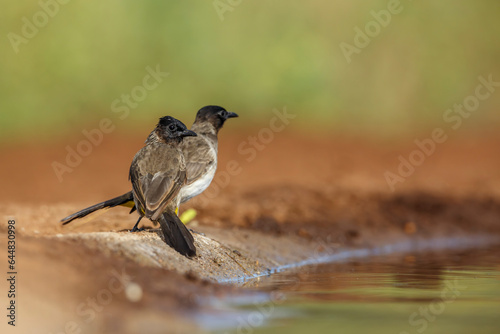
[[157, 174], [200, 153]]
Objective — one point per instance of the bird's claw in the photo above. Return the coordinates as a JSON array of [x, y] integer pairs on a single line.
[[196, 232]]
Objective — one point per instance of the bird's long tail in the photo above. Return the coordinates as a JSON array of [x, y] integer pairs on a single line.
[[176, 234], [125, 200]]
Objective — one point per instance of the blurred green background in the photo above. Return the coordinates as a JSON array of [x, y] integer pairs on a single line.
[[253, 57]]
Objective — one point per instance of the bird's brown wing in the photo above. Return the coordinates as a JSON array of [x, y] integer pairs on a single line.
[[200, 157], [157, 174]]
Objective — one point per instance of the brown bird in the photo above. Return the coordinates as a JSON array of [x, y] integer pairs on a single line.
[[201, 161], [158, 173]]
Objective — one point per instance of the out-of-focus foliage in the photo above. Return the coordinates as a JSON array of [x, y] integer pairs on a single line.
[[250, 58]]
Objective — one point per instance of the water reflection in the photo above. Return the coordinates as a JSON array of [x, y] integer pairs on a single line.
[[413, 293], [412, 271]]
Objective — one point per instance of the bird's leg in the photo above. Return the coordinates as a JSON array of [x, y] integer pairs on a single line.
[[135, 229]]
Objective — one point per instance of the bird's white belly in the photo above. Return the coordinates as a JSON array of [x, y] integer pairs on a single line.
[[199, 186]]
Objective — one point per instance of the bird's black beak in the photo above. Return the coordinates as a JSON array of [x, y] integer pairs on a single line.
[[187, 133], [231, 114]]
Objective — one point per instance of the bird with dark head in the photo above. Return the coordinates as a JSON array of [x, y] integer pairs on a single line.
[[213, 115], [201, 152], [169, 129], [200, 155], [158, 173]]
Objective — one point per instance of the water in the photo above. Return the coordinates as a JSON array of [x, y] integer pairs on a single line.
[[453, 292]]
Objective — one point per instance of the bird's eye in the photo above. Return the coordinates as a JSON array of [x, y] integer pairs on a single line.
[[172, 127], [223, 113]]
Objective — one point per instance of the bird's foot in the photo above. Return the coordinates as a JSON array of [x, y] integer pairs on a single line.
[[193, 231], [135, 229]]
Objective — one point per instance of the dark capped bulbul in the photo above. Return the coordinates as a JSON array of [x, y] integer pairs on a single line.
[[201, 161], [201, 151], [158, 173]]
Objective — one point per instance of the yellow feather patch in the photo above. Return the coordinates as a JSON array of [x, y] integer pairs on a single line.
[[188, 215]]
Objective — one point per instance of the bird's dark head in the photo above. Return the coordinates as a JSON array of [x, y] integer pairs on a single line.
[[169, 128], [214, 115]]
